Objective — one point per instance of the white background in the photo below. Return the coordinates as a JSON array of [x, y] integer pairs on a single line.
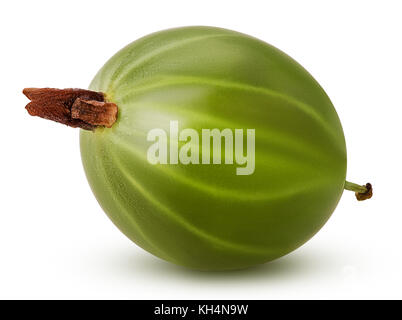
[[55, 241]]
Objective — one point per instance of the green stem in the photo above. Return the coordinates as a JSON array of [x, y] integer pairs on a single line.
[[361, 192], [355, 187]]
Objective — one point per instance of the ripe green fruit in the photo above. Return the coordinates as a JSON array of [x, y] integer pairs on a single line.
[[207, 216]]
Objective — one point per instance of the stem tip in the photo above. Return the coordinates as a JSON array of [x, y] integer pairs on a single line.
[[361, 192], [360, 196]]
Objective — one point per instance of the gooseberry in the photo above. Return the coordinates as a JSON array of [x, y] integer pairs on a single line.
[[206, 147]]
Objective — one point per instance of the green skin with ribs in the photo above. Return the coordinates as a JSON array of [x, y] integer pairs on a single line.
[[205, 216]]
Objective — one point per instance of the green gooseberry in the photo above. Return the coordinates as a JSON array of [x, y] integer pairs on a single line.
[[250, 206]]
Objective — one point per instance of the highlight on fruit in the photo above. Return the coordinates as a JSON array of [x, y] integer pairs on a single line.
[[206, 147]]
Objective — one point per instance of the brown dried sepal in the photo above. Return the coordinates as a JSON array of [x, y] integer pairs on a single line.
[[365, 195], [76, 108], [95, 112]]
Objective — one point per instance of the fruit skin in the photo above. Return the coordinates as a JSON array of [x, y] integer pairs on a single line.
[[205, 216]]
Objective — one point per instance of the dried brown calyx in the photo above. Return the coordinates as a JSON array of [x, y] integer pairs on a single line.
[[76, 108]]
